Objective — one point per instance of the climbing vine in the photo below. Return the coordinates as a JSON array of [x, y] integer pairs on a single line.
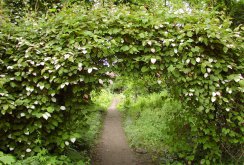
[[49, 67]]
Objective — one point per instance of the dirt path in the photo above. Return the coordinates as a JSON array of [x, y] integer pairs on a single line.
[[113, 148]]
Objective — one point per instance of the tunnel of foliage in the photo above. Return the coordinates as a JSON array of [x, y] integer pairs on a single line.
[[49, 66]]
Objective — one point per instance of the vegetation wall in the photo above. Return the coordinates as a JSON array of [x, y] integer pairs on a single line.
[[49, 65]]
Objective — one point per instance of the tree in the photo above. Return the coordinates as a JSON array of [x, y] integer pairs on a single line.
[[233, 8]]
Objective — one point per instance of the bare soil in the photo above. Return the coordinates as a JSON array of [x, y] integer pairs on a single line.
[[113, 148]]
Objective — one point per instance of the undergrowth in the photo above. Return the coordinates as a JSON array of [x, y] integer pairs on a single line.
[[158, 124], [147, 120]]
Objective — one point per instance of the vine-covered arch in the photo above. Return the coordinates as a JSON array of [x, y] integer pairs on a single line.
[[49, 68]]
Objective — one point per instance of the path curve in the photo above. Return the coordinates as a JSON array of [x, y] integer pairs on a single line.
[[113, 148]]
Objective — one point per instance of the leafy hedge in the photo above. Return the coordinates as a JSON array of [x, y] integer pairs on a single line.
[[49, 66]]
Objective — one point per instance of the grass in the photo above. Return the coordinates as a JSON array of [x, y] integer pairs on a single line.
[[147, 122]]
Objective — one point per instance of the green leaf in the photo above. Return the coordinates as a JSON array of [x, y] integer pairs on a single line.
[[50, 109], [167, 43], [7, 159], [201, 108], [5, 107], [9, 51], [88, 33], [225, 49], [125, 48], [12, 84], [189, 34], [171, 68], [203, 70], [144, 69], [17, 73], [44, 99], [241, 82], [141, 35]]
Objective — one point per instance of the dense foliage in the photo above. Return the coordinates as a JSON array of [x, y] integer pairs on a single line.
[[49, 67], [237, 13], [155, 123], [233, 8], [158, 124], [19, 8]]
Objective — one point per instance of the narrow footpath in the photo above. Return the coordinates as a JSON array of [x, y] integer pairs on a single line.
[[113, 148]]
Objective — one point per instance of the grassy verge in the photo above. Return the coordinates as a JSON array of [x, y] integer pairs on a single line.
[[148, 123]]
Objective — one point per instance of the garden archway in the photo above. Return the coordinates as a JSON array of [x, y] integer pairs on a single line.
[[49, 66]]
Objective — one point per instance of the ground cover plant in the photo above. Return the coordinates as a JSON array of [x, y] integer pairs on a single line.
[[49, 65]]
